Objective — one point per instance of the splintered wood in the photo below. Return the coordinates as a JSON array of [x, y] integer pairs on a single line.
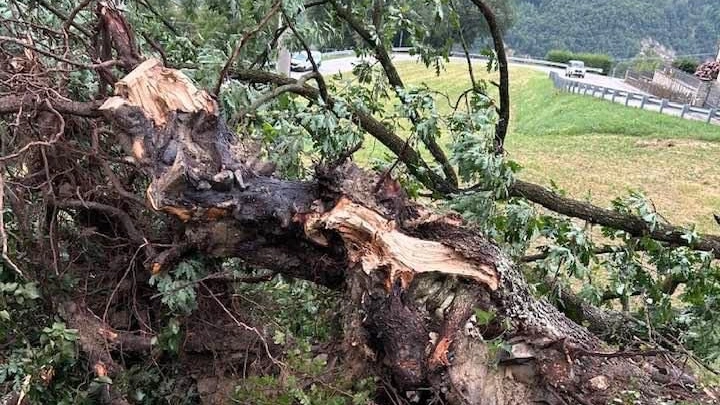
[[159, 91], [376, 244], [162, 95]]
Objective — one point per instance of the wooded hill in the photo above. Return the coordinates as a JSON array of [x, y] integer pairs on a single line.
[[615, 27]]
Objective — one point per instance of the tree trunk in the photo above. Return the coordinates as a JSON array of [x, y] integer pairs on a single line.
[[413, 280]]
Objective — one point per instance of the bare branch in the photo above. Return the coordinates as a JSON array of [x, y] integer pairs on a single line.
[[127, 223], [12, 104], [92, 66], [466, 51], [165, 22], [318, 77]]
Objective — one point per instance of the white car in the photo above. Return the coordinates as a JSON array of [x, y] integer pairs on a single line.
[[575, 68], [301, 63]]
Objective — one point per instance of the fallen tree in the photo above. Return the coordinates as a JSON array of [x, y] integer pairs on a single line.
[[399, 268], [413, 281]]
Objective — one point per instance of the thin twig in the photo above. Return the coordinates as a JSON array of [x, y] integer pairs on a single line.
[[3, 233], [165, 22], [131, 264], [63, 17], [223, 275], [267, 97], [465, 50], [246, 327]]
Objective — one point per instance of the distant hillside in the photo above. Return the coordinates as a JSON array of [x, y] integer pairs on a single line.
[[615, 26]]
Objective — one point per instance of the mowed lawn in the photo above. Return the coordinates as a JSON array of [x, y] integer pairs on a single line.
[[597, 150]]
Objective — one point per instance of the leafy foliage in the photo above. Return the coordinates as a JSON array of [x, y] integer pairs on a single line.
[[686, 64], [177, 287]]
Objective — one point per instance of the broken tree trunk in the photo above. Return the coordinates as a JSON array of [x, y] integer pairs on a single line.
[[413, 280]]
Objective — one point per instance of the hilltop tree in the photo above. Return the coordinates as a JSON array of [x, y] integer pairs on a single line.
[[140, 204]]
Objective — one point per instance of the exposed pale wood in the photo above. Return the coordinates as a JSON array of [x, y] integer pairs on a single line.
[[160, 91], [376, 244]]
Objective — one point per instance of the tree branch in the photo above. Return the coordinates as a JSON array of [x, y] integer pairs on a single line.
[[59, 14], [416, 165], [631, 224], [12, 104], [71, 17], [502, 126], [165, 22], [318, 76], [396, 82], [297, 87], [127, 223], [92, 66], [246, 37], [466, 51]]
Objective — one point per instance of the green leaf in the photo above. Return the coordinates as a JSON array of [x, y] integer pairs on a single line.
[[31, 292], [483, 317]]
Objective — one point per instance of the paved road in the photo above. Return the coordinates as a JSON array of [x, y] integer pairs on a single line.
[[604, 81], [345, 64]]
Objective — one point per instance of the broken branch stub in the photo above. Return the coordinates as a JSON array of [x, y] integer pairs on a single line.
[[160, 92], [174, 128], [377, 244]]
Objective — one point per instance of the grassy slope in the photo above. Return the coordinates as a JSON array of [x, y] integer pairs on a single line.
[[598, 150]]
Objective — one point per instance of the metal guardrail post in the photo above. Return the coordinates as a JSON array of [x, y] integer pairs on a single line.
[[711, 114], [643, 102], [663, 104], [684, 110], [614, 94], [628, 96]]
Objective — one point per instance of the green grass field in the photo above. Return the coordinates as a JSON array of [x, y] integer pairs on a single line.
[[598, 150]]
